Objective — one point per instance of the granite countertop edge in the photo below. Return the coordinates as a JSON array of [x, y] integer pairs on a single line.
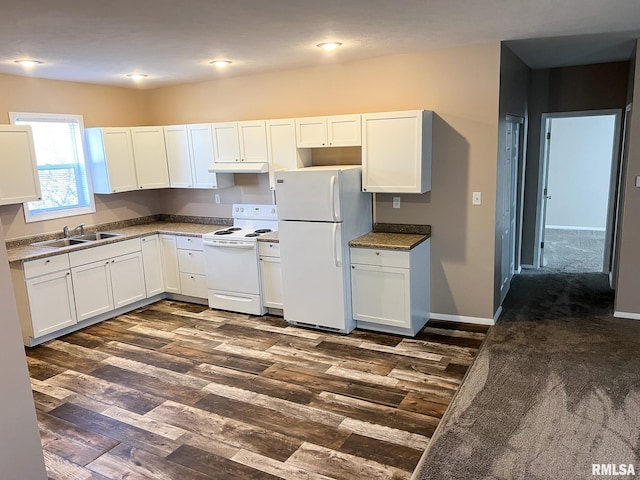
[[393, 237], [21, 253]]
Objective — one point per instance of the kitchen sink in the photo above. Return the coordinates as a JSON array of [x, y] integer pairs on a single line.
[[63, 242], [92, 237]]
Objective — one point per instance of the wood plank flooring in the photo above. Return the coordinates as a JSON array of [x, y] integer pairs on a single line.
[[180, 391]]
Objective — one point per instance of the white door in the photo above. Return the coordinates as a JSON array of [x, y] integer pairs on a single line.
[[92, 289], [19, 181], [313, 278], [150, 157], [312, 195], [201, 145], [253, 141], [118, 152], [51, 302], [225, 142], [178, 157], [311, 132], [344, 130], [127, 279], [170, 268], [271, 277], [152, 262]]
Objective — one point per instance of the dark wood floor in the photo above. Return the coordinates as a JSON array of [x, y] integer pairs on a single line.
[[179, 391]]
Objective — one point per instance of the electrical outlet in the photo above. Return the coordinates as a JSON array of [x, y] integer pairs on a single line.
[[477, 198], [396, 202], [217, 197]]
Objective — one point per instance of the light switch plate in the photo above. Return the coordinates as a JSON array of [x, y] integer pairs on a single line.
[[638, 181], [396, 202], [217, 197], [477, 198]]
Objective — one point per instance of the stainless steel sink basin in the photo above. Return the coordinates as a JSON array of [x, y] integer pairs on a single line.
[[92, 237], [63, 242]]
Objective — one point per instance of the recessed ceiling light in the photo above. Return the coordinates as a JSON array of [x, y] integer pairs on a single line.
[[137, 76], [329, 45], [220, 63], [29, 62]]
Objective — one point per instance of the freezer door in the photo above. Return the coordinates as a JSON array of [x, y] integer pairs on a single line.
[[313, 275], [309, 195]]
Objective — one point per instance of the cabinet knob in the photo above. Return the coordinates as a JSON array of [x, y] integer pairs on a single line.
[[47, 261], [353, 267], [140, 186], [68, 273], [190, 253], [377, 253]]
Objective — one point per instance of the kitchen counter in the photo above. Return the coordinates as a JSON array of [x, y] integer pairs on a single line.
[[391, 236], [28, 252], [269, 237]]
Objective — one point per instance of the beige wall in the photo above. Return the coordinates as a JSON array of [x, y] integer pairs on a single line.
[[99, 106], [627, 298], [459, 84], [20, 450]]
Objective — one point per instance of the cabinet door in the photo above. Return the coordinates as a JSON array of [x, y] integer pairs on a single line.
[[271, 278], [393, 153], [127, 279], [311, 132], [152, 262], [178, 156], [51, 302], [193, 285], [225, 142], [19, 181], [202, 156], [381, 295], [344, 131], [253, 141], [170, 267], [281, 148], [150, 157], [118, 155], [92, 289]]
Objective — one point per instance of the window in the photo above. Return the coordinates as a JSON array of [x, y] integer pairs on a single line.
[[61, 166]]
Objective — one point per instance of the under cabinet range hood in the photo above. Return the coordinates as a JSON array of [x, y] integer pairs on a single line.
[[239, 167]]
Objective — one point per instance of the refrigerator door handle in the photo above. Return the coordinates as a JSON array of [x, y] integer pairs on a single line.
[[332, 199], [335, 248]]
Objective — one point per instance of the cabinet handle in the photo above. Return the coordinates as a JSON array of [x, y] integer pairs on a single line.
[[47, 261], [377, 253], [190, 253], [188, 239]]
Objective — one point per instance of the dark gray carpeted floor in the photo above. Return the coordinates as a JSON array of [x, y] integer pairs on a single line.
[[573, 251], [554, 389]]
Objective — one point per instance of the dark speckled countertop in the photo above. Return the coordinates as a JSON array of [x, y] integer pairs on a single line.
[[21, 253], [269, 237], [393, 237]]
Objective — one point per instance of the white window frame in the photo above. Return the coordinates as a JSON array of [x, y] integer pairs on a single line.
[[68, 212]]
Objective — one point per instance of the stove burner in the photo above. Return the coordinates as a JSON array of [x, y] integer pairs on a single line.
[[234, 229], [224, 232], [263, 230], [252, 235]]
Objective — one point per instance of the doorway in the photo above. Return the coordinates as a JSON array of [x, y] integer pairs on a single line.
[[577, 197]]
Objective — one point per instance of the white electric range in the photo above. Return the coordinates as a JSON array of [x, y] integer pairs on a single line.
[[232, 259]]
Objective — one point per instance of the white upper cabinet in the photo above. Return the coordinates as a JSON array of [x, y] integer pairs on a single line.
[[240, 142], [19, 181], [178, 156], [200, 138], [397, 151], [334, 131], [150, 157], [282, 151], [111, 155]]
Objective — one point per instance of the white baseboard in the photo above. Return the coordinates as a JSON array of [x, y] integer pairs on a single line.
[[463, 319], [570, 227], [630, 316]]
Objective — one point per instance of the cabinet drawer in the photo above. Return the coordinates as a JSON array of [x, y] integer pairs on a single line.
[[42, 266], [189, 243], [387, 258], [98, 253], [193, 285], [191, 261], [269, 249]]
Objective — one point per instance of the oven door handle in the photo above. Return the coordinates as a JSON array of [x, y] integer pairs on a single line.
[[246, 246]]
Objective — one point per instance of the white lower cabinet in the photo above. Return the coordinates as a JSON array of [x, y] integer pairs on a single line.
[[391, 289], [170, 268], [49, 303], [191, 266], [152, 263], [127, 279], [270, 274], [92, 287]]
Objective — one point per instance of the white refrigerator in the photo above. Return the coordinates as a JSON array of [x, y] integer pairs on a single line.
[[320, 209]]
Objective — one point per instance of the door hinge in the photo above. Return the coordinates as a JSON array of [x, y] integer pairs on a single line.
[[548, 135], [545, 192], [541, 244]]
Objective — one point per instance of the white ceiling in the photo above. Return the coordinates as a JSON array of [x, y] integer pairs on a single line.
[[173, 40]]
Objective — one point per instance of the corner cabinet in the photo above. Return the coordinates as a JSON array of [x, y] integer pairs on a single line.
[[19, 181], [397, 152], [391, 289], [111, 159], [150, 157], [282, 152]]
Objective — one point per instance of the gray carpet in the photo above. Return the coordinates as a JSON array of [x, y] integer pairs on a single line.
[[573, 251], [554, 389]]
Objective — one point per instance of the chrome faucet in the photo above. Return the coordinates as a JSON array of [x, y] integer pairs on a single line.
[[65, 232], [81, 228]]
